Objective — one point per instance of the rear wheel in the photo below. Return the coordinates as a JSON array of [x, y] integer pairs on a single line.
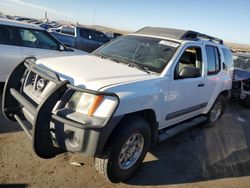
[[125, 151], [216, 111]]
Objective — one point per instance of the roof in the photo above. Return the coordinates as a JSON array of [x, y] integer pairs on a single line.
[[8, 22], [176, 34]]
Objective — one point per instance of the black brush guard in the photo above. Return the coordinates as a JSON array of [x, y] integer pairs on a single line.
[[13, 101]]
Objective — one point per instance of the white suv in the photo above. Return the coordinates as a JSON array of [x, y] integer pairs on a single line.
[[114, 103], [20, 40]]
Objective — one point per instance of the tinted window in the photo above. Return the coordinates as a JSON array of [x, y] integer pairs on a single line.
[[8, 36], [98, 36], [228, 58], [213, 60], [38, 39], [85, 33], [68, 30]]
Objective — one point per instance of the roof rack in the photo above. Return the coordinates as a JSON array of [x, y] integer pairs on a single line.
[[177, 34], [193, 35]]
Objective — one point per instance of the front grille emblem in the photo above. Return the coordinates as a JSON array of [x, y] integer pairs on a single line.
[[41, 84]]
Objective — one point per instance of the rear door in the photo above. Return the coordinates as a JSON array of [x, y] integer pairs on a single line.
[[10, 52], [214, 80], [67, 36], [84, 40], [185, 97], [99, 39]]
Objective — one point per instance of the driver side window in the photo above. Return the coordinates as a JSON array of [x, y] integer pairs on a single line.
[[32, 38], [27, 37], [190, 64]]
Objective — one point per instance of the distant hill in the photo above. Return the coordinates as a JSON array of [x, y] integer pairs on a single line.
[[239, 47], [233, 46]]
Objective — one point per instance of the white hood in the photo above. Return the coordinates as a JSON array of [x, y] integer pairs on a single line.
[[92, 72]]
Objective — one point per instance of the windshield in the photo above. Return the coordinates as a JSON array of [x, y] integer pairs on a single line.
[[242, 62], [151, 54]]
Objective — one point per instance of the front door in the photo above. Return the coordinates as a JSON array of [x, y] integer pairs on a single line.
[[185, 98]]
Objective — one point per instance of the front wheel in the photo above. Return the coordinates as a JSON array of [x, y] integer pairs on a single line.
[[125, 151], [216, 111]]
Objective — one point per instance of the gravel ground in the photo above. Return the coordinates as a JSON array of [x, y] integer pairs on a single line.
[[216, 157]]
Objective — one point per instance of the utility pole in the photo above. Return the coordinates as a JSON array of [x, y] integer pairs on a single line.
[[46, 18], [93, 17]]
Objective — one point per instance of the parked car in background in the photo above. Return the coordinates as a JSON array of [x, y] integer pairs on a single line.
[[116, 35], [55, 29], [241, 81], [45, 26], [20, 40], [79, 37]]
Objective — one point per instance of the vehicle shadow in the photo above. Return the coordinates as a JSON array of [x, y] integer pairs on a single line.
[[201, 154], [14, 185]]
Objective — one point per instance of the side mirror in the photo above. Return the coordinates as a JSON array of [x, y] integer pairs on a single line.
[[223, 66], [189, 72], [61, 48]]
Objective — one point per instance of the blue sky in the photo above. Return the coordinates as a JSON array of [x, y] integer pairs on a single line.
[[227, 19]]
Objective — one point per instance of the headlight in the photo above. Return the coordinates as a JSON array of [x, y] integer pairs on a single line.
[[92, 105]]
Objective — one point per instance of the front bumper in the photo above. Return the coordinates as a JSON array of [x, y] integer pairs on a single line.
[[53, 131]]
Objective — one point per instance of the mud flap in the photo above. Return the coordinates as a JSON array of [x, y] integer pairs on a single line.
[[42, 140]]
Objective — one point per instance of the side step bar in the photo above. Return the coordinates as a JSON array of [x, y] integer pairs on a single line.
[[180, 127]]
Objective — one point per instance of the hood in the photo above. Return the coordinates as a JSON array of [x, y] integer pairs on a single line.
[[92, 72]]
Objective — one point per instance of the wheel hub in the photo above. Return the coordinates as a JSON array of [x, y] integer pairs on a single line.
[[215, 112], [131, 151]]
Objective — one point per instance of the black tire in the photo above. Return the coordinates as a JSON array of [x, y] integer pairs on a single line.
[[211, 121], [108, 163], [246, 102]]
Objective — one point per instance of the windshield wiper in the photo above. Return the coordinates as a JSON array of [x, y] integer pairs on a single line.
[[129, 63], [138, 67], [108, 57]]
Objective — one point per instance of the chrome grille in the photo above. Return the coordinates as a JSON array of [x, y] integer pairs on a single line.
[[36, 87]]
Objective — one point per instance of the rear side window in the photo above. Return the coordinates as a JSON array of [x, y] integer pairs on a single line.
[[98, 36], [85, 33], [213, 60], [8, 36], [68, 30], [228, 58]]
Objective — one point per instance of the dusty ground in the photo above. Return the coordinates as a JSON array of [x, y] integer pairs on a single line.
[[217, 157]]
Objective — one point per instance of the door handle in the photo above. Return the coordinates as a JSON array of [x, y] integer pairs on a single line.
[[201, 84]]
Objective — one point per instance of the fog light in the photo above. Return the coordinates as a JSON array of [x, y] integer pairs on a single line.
[[73, 138]]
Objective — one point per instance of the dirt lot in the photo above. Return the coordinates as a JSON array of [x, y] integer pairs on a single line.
[[217, 157]]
